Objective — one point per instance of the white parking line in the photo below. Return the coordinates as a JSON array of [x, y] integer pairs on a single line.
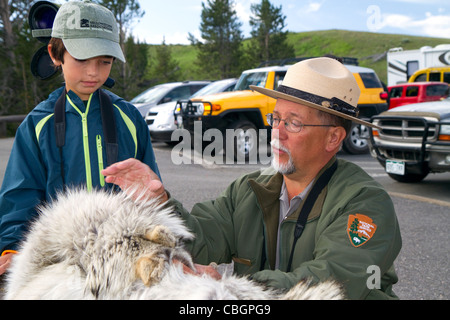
[[419, 198], [377, 175]]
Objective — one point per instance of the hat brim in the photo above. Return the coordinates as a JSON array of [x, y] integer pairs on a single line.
[[279, 95], [87, 48]]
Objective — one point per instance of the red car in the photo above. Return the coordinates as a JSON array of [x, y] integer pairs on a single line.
[[415, 92]]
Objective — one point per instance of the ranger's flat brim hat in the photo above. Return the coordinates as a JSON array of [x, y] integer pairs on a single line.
[[322, 83], [87, 30]]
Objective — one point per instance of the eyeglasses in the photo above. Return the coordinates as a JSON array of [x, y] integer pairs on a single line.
[[293, 126]]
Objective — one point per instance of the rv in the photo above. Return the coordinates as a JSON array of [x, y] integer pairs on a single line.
[[401, 64]]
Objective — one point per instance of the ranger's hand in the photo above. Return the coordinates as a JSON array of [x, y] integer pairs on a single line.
[[137, 179], [209, 270]]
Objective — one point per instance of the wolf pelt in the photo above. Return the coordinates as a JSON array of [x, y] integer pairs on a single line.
[[104, 245]]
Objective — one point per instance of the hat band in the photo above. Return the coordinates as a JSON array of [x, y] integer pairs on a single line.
[[333, 103]]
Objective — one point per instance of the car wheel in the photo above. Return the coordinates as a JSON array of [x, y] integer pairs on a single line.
[[244, 145], [357, 141]]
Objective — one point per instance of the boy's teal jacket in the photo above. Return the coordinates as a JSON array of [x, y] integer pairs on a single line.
[[33, 173]]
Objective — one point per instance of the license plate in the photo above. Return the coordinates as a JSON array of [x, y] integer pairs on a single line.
[[395, 167]]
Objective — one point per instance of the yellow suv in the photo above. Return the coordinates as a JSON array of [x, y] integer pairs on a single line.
[[372, 101], [441, 74], [242, 110], [245, 109]]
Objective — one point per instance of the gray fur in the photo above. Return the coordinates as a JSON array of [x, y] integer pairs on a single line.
[[100, 245]]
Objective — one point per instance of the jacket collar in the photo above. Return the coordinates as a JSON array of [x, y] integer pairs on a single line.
[[80, 104]]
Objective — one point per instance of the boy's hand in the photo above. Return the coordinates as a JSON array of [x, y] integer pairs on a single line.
[[5, 262]]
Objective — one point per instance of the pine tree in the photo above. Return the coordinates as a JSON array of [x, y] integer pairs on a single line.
[[219, 54], [166, 69], [137, 67], [354, 226], [269, 41]]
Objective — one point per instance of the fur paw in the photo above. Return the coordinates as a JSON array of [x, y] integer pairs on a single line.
[[162, 235], [150, 269]]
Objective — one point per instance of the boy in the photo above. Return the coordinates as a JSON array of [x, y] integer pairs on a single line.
[[84, 44]]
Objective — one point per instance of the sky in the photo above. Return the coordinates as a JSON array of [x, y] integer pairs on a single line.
[[172, 20]]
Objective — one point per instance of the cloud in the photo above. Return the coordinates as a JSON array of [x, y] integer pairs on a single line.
[[313, 7], [432, 25], [426, 2], [242, 12]]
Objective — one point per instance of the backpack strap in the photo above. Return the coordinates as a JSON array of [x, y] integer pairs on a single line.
[[60, 128], [109, 127], [308, 205]]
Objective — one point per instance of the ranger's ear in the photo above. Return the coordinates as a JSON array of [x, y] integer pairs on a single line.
[[336, 136]]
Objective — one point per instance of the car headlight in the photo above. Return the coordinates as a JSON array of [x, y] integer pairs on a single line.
[[199, 109], [444, 132], [445, 129]]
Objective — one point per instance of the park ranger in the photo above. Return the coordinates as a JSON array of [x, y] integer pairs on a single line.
[[310, 215]]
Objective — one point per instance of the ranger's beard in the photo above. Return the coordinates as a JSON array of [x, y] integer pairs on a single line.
[[283, 168]]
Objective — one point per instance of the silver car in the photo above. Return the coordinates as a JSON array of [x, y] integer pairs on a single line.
[[164, 93], [160, 118]]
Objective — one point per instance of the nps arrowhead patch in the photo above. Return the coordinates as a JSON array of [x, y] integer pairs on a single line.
[[360, 229]]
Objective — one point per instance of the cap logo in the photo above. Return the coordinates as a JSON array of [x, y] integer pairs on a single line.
[[85, 23], [75, 16]]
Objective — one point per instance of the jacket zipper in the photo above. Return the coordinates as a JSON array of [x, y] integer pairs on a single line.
[[87, 160], [100, 159]]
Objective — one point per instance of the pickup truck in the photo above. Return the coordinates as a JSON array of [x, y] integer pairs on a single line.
[[413, 140]]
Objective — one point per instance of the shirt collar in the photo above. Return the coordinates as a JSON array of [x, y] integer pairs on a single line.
[[301, 195]]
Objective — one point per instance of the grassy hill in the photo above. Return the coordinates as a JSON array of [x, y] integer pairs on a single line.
[[370, 48]]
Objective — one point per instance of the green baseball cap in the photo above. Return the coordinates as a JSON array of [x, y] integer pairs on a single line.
[[87, 30]]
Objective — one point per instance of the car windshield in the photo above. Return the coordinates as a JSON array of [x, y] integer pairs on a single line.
[[256, 79], [152, 95], [370, 80]]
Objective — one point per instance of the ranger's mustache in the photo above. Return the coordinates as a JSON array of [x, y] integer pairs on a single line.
[[275, 143]]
